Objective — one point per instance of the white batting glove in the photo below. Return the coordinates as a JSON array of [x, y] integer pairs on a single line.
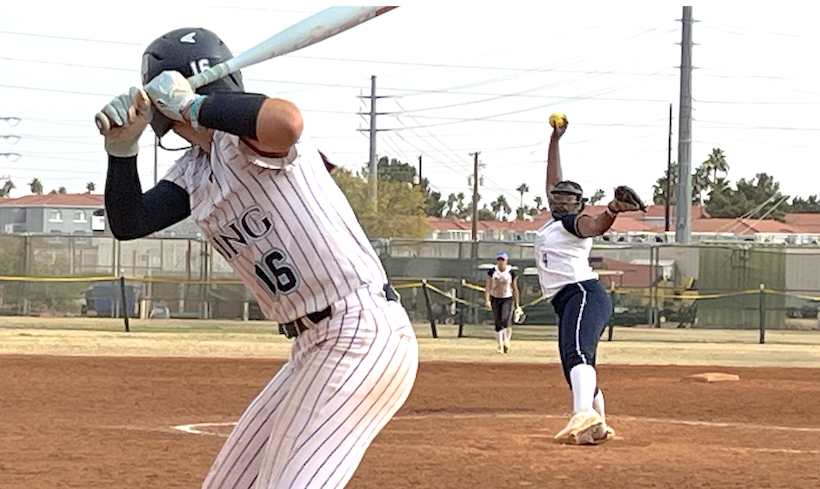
[[172, 95], [129, 114]]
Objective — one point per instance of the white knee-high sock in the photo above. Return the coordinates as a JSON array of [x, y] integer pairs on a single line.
[[508, 333], [499, 338], [584, 380], [598, 404]]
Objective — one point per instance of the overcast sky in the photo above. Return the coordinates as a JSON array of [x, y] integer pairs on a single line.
[[466, 78]]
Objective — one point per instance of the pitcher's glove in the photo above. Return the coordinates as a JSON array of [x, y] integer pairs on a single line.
[[626, 200]]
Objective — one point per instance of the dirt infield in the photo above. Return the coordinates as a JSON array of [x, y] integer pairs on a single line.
[[92, 422]]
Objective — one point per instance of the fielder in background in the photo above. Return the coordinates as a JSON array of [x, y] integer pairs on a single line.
[[502, 296], [562, 248], [263, 196]]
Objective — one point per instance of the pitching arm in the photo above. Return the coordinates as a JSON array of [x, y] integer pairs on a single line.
[[554, 172]]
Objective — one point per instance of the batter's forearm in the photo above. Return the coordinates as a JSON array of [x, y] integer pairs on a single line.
[[132, 214]]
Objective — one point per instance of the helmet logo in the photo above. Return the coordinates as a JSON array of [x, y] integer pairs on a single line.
[[188, 38]]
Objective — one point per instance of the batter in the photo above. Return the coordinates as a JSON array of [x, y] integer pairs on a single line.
[[262, 194]]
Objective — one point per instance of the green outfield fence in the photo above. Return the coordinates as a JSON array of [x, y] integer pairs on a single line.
[[753, 287]]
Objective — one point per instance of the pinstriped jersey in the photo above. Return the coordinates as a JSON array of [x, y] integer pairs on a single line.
[[283, 224], [561, 257]]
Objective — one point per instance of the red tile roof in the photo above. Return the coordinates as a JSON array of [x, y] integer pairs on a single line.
[[744, 226], [626, 224], [454, 224], [652, 211], [808, 222], [55, 200], [631, 223]]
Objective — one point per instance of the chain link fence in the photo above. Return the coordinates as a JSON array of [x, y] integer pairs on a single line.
[[719, 286]]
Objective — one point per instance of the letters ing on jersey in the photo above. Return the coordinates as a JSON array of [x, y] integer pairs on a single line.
[[283, 224]]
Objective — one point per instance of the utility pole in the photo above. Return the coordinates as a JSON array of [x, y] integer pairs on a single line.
[[668, 191], [372, 181], [419, 169], [474, 231], [373, 173], [683, 209]]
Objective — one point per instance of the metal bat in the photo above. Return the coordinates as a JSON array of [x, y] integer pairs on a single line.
[[314, 29]]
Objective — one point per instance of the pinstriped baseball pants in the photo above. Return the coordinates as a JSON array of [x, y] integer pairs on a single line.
[[310, 426]]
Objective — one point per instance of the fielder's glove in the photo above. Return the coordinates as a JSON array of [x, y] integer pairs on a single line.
[[626, 200], [519, 315]]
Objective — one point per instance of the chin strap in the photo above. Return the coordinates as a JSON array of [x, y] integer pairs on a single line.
[[159, 143]]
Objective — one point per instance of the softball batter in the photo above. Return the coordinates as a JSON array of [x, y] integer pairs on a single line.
[[261, 192]]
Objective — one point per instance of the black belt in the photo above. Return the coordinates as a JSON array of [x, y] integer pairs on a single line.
[[295, 328]]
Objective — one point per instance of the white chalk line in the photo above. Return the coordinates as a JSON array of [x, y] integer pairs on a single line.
[[711, 424], [193, 428], [201, 428]]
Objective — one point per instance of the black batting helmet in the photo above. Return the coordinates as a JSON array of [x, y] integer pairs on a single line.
[[188, 51], [571, 188], [568, 187]]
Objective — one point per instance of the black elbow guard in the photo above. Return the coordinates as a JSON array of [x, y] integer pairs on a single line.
[[232, 112]]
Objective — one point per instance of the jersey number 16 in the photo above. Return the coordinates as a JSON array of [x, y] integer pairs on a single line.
[[277, 275]]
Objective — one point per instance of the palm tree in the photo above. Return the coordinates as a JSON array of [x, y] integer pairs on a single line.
[[501, 207], [700, 183], [522, 189], [36, 186], [90, 187], [597, 196], [5, 191], [716, 162], [539, 203]]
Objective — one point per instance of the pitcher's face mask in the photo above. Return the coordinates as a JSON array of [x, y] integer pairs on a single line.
[[564, 204]]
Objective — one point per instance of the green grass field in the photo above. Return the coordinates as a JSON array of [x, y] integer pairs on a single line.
[[200, 338]]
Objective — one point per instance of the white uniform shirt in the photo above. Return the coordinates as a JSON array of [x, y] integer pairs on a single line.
[[561, 257], [501, 282], [286, 228]]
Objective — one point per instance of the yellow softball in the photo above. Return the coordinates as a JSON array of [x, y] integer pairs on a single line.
[[558, 119]]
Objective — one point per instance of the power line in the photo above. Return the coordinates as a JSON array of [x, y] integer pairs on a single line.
[[70, 38], [716, 26], [747, 126]]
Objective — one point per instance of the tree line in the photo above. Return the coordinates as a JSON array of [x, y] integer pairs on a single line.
[[405, 201], [36, 188], [758, 197]]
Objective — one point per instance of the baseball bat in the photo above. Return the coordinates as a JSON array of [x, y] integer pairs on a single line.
[[314, 29]]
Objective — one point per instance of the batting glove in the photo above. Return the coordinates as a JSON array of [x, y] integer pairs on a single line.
[[129, 114], [173, 95]]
